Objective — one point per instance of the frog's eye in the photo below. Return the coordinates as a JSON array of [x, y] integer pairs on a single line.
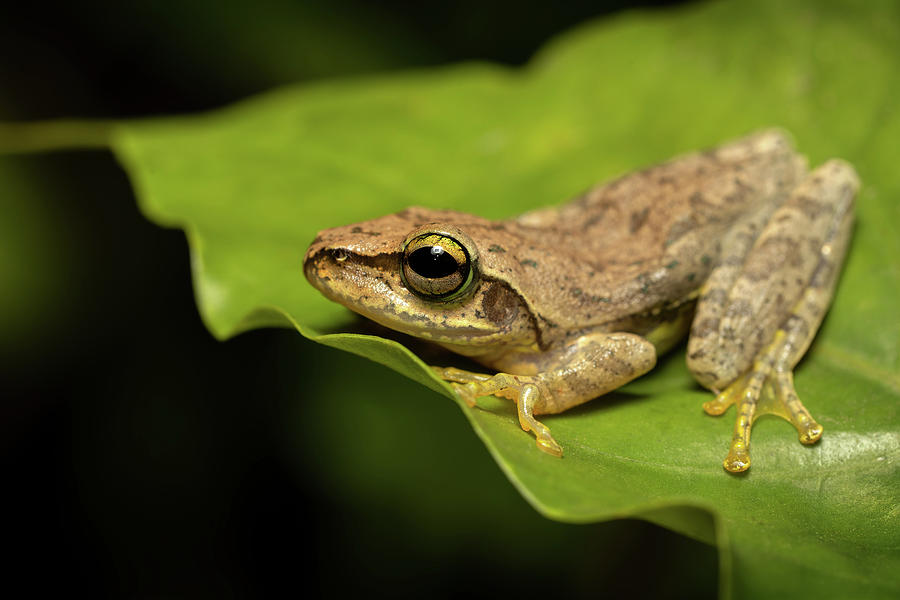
[[436, 266]]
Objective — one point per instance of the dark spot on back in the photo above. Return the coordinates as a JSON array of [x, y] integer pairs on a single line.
[[359, 229], [680, 228], [638, 219]]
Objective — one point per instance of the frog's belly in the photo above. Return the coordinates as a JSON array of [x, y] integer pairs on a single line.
[[668, 332], [663, 327]]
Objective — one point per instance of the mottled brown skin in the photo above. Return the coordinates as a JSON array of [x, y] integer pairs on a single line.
[[571, 302]]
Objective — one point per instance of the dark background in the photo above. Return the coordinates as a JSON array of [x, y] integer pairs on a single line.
[[143, 458]]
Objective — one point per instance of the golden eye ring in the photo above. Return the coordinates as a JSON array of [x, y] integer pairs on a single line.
[[436, 265]]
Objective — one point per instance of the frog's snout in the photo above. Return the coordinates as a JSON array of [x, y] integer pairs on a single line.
[[326, 252], [316, 246], [331, 267], [313, 261]]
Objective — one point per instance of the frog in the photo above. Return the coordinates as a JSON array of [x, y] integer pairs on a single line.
[[737, 247]]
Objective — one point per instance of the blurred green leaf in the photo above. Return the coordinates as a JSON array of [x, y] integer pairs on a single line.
[[35, 269], [252, 184]]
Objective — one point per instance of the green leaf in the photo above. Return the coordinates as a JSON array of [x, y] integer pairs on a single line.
[[35, 268], [253, 183]]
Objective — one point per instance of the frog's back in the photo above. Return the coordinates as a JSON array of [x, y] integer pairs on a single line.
[[638, 217]]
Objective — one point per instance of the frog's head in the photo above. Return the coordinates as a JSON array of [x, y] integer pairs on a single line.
[[419, 272]]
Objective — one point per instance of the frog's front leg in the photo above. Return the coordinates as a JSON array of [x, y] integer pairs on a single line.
[[757, 316], [553, 381]]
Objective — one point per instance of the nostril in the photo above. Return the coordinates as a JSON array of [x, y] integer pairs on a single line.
[[339, 254]]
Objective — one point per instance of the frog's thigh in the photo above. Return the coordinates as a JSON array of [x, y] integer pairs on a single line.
[[590, 366], [748, 336]]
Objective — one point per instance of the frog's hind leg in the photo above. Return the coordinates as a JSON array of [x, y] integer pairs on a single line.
[[750, 331]]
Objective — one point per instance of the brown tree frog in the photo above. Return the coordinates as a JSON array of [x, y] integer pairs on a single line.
[[739, 246]]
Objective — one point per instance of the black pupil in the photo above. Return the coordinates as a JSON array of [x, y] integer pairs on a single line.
[[432, 262]]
